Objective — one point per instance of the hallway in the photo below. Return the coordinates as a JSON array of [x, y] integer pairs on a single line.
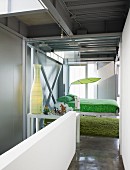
[[97, 153]]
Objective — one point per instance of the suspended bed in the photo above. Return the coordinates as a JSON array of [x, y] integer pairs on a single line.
[[101, 107], [97, 107]]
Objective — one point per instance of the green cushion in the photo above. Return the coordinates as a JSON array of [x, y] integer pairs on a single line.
[[65, 99], [72, 95]]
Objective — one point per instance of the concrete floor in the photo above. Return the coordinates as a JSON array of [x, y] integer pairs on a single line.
[[97, 153]]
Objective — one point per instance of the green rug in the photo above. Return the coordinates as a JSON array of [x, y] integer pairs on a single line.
[[94, 126]]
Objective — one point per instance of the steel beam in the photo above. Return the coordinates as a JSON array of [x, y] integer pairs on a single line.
[[100, 18], [12, 31], [48, 85], [104, 10], [91, 59], [97, 5], [101, 14], [61, 20], [31, 46], [98, 49], [92, 1], [53, 85], [98, 52], [74, 43], [46, 80], [78, 37], [71, 1]]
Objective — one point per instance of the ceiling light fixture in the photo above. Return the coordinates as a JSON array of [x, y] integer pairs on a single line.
[[62, 36]]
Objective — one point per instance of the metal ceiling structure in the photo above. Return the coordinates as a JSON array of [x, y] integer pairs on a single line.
[[96, 26], [91, 47], [97, 16], [91, 27]]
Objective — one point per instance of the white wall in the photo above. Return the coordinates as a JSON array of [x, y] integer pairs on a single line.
[[125, 95], [52, 148], [71, 54], [106, 71], [107, 88], [3, 6], [12, 6]]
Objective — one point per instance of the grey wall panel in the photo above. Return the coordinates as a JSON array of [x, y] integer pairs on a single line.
[[107, 88], [10, 90], [3, 21], [15, 24], [47, 30]]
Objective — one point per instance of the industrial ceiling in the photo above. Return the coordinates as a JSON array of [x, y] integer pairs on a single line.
[[91, 27], [95, 27]]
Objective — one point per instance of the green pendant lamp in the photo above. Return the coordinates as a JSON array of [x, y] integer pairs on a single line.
[[86, 80]]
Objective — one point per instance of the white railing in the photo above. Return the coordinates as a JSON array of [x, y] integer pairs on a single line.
[[51, 148]]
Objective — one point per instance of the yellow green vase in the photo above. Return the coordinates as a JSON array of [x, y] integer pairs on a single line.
[[36, 95]]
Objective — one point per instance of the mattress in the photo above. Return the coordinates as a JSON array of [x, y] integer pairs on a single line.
[[96, 105]]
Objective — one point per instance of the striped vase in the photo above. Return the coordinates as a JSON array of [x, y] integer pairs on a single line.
[[36, 95]]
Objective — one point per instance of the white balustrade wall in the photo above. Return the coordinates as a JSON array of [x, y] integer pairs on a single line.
[[51, 148], [125, 95]]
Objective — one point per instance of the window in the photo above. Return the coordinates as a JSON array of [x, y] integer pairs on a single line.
[[75, 73], [92, 87]]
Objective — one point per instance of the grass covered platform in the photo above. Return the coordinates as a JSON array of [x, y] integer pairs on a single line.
[[98, 126]]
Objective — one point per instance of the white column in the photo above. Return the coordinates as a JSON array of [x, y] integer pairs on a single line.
[[78, 127], [37, 124]]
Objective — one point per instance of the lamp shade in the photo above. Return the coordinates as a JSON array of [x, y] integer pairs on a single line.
[[36, 95], [86, 80]]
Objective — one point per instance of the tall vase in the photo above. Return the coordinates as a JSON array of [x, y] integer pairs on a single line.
[[36, 95]]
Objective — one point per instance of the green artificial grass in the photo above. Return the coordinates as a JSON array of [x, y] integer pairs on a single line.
[[95, 126], [48, 121]]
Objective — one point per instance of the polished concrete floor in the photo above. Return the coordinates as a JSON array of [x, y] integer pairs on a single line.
[[97, 153]]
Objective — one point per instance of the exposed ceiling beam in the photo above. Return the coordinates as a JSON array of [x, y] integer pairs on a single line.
[[98, 45], [99, 52], [98, 49], [70, 0], [64, 23], [106, 17], [87, 59], [97, 5], [86, 37], [82, 43], [93, 1], [90, 42], [101, 14], [101, 10]]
